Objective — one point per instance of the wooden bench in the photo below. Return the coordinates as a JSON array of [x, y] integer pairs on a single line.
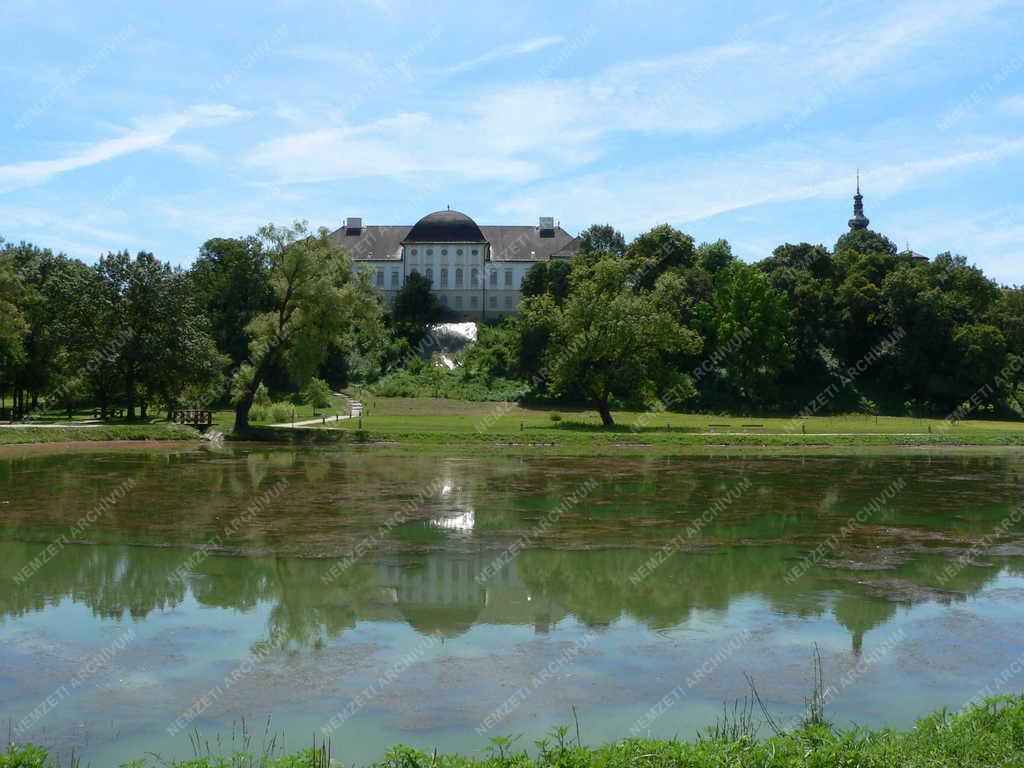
[[199, 418], [110, 413]]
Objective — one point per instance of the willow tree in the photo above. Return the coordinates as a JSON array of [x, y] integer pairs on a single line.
[[318, 304]]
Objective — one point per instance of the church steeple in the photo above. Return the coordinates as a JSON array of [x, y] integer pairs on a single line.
[[859, 220]]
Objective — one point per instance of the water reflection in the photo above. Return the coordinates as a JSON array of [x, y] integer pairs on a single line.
[[459, 514], [439, 592]]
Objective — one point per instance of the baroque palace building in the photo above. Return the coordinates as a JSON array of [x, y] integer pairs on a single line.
[[476, 271]]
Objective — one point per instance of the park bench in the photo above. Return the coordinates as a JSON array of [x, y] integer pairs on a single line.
[[110, 413], [194, 417]]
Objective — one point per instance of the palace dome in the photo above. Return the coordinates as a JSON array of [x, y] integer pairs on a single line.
[[445, 227]]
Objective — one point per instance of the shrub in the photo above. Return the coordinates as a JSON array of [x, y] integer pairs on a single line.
[[280, 413]]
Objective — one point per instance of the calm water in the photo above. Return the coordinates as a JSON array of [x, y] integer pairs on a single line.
[[169, 607]]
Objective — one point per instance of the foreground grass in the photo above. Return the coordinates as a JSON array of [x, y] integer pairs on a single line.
[[157, 431], [982, 736]]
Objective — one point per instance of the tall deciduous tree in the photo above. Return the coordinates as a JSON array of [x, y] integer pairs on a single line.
[[600, 241], [750, 319], [416, 307], [161, 341], [608, 340], [13, 325], [318, 303], [231, 281]]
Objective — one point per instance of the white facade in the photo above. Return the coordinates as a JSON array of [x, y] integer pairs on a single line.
[[476, 272]]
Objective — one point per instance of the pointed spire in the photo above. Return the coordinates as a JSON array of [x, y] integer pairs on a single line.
[[859, 220]]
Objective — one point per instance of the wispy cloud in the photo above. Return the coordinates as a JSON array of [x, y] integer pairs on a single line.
[[641, 196], [1013, 105], [147, 133], [351, 62], [506, 52]]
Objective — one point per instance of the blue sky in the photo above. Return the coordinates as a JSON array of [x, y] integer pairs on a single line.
[[160, 126]]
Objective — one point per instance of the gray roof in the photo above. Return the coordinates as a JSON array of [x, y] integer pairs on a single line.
[[445, 227], [508, 243]]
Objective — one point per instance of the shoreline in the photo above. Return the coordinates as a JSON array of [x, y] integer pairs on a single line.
[[981, 734]]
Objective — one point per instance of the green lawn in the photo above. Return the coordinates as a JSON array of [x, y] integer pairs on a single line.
[[432, 420], [157, 431], [453, 423]]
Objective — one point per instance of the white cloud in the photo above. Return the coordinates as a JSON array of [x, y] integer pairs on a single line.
[[1013, 105], [507, 52], [550, 125], [401, 146], [147, 133], [697, 188]]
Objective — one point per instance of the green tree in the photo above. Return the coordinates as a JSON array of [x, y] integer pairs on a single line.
[[550, 277], [318, 303], [607, 340], [231, 283], [162, 339], [657, 251], [416, 308], [751, 320], [714, 257], [600, 241], [317, 393], [13, 325]]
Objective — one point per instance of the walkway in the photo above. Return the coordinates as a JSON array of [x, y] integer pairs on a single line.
[[354, 410]]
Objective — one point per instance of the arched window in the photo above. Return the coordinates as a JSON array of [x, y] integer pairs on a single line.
[[430, 274], [475, 277], [444, 277], [458, 277]]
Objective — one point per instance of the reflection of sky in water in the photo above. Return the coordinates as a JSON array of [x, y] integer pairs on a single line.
[[499, 631], [497, 638]]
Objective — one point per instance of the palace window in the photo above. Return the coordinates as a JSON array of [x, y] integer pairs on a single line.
[[444, 277], [508, 278], [430, 251], [380, 278], [475, 252], [510, 301], [458, 252], [394, 278], [444, 251], [458, 278], [474, 277], [472, 301], [444, 299], [458, 301], [494, 278], [430, 274], [492, 301]]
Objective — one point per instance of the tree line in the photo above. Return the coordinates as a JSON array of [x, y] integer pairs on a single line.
[[662, 322], [658, 321]]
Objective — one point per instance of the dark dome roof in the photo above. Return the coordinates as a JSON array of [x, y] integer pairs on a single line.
[[445, 227]]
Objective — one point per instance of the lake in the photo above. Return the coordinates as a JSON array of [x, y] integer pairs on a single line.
[[380, 596]]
